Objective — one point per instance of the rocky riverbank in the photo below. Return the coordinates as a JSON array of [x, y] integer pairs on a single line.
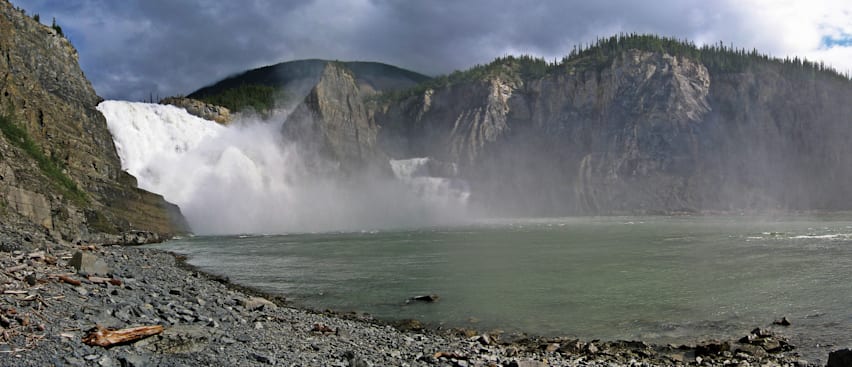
[[48, 307]]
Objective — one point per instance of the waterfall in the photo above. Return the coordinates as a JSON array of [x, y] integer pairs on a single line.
[[244, 177], [416, 172]]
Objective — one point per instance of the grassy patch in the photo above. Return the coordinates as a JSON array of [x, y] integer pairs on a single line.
[[19, 137]]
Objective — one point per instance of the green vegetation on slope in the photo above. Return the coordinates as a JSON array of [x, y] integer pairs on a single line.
[[261, 98], [718, 58], [294, 76], [49, 167]]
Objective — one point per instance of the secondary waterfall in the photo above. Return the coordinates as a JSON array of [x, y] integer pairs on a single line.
[[416, 172], [243, 178]]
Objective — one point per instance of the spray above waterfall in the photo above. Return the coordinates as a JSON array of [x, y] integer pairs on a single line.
[[245, 178]]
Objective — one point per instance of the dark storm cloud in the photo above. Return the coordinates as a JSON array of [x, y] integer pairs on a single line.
[[132, 48]]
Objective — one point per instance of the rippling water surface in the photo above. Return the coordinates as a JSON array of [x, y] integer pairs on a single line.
[[658, 279]]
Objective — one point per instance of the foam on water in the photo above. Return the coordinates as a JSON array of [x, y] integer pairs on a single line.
[[244, 178], [821, 236]]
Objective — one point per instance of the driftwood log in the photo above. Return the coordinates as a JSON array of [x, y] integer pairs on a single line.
[[69, 280], [107, 337]]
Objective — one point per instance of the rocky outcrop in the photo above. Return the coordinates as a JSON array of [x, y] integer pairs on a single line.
[[201, 109], [646, 132], [333, 122], [67, 184]]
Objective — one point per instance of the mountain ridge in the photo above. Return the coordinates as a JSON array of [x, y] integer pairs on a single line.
[[662, 128], [297, 76]]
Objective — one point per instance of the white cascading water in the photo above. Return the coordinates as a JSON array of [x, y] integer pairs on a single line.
[[243, 178], [415, 172]]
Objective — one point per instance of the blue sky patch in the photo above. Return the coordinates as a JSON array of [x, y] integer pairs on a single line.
[[844, 40]]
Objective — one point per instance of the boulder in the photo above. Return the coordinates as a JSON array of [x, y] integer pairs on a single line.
[[409, 325], [753, 350], [201, 109], [429, 298], [88, 263], [782, 322], [840, 358], [712, 348], [257, 303]]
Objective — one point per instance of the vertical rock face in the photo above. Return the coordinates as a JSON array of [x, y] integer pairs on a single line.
[[333, 121], [44, 93], [647, 132], [201, 109]]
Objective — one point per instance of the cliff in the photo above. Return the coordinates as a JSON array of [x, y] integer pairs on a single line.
[[633, 124], [640, 131], [60, 176], [333, 122], [201, 109]]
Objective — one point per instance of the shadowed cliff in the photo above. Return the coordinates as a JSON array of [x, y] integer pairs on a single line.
[[631, 124], [633, 129], [60, 176]]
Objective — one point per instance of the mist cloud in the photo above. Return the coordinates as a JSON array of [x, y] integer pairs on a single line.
[[245, 178], [130, 49]]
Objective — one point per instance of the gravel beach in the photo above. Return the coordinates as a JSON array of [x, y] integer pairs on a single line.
[[49, 308]]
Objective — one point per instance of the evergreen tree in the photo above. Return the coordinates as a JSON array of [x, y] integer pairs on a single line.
[[57, 28]]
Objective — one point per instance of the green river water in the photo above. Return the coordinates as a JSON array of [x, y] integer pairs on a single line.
[[657, 279]]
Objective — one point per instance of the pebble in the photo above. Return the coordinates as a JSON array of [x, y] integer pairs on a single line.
[[209, 324]]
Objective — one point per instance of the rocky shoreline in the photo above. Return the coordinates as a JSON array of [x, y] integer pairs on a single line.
[[49, 307]]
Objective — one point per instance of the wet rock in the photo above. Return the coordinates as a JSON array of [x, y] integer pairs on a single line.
[[840, 358], [771, 345], [572, 347], [761, 333], [429, 298], [88, 263], [752, 350], [409, 325], [552, 347], [511, 351], [677, 357], [782, 322], [484, 339], [755, 336], [257, 303], [201, 109], [712, 348], [592, 348]]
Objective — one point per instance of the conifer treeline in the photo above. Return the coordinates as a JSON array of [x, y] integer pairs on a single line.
[[260, 98], [718, 58]]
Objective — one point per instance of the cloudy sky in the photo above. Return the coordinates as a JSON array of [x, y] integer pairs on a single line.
[[131, 48]]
